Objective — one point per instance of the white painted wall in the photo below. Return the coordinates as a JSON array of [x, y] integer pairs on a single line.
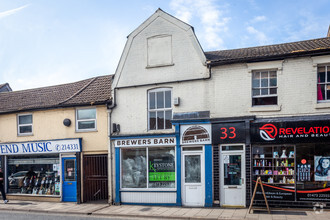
[[187, 55], [228, 94], [297, 89]]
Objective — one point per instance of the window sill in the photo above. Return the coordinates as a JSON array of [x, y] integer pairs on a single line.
[[160, 65], [84, 131], [24, 135], [265, 108], [322, 105], [161, 131]]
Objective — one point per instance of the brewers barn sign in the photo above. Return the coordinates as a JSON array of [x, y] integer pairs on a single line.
[[195, 134]]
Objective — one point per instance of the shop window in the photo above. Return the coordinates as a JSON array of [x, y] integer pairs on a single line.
[[293, 173], [264, 87], [161, 168], [86, 119], [313, 171], [159, 109], [24, 124], [323, 83], [34, 175], [148, 168], [134, 173]]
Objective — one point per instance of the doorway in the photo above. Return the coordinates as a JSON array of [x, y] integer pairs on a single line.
[[95, 178], [69, 179], [193, 176], [232, 175]]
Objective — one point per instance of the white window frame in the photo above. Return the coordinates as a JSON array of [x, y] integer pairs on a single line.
[[21, 125], [326, 83], [159, 109], [268, 87], [89, 129]]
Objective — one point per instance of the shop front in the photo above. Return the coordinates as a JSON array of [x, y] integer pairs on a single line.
[[196, 164], [146, 170], [230, 140], [42, 170], [292, 158]]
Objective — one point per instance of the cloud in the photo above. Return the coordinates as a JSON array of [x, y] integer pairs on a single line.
[[258, 19], [12, 11], [259, 36], [211, 17]]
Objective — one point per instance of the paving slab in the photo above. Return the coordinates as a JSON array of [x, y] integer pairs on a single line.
[[215, 213], [159, 212], [203, 213], [192, 212], [180, 212]]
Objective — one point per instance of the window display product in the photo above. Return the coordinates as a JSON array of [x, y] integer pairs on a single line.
[[33, 175]]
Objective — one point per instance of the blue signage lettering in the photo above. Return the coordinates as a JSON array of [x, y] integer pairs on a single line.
[[46, 147], [40, 147], [26, 149], [9, 148], [36, 147]]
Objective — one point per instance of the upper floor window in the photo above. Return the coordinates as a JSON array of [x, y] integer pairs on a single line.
[[264, 87], [86, 119], [159, 109], [24, 124], [323, 82], [159, 51]]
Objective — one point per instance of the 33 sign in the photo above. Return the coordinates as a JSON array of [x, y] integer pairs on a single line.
[[228, 133], [224, 133]]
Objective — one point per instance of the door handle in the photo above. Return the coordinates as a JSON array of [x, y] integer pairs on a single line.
[[232, 187]]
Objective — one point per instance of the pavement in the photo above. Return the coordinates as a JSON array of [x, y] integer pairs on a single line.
[[161, 212]]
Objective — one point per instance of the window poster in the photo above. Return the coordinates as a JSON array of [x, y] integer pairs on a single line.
[[322, 168], [303, 172], [161, 171]]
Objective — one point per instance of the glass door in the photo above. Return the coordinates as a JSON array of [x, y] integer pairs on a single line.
[[193, 179], [232, 176], [69, 179]]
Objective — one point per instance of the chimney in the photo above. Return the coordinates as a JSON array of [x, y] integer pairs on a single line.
[[328, 35]]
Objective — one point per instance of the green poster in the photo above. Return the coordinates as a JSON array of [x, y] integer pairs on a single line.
[[161, 176]]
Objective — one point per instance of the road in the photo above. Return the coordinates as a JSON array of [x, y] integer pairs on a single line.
[[12, 215]]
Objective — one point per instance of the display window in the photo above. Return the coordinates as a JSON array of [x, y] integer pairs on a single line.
[[146, 168], [35, 175], [313, 172], [298, 172]]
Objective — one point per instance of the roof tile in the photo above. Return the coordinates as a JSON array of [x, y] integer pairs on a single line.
[[85, 92], [268, 52]]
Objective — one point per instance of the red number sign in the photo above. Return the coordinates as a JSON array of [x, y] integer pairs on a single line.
[[228, 133]]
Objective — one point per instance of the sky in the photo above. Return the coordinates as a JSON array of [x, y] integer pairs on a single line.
[[50, 42]]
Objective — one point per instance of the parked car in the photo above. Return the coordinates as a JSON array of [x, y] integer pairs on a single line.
[[15, 178]]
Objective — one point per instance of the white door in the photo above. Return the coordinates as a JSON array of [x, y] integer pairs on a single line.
[[232, 176], [193, 189]]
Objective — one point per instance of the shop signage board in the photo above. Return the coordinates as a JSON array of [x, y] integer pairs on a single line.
[[224, 133], [195, 134], [143, 142], [41, 147], [274, 192], [290, 132]]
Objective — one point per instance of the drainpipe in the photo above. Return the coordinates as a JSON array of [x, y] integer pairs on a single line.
[[110, 158], [111, 177]]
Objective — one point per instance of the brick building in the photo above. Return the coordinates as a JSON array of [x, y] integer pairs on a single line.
[[197, 128]]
